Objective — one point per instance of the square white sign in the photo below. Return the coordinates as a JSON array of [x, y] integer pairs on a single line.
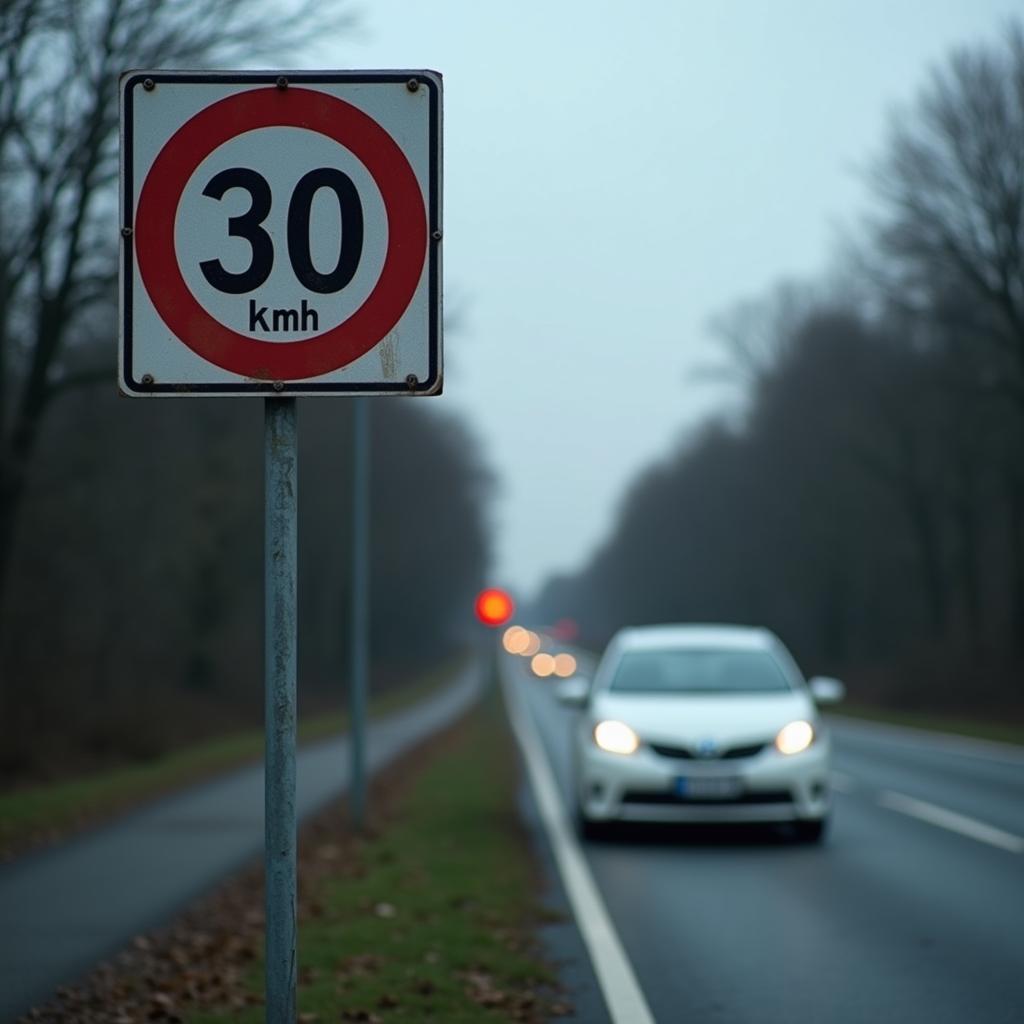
[[281, 233]]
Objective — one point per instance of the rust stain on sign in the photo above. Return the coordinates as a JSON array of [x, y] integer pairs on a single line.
[[389, 356]]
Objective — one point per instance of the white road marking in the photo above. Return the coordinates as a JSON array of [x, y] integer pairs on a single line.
[[935, 815], [623, 996]]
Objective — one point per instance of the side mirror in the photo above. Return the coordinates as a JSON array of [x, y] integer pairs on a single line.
[[573, 692], [826, 690]]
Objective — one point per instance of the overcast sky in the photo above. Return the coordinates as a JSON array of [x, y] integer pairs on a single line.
[[615, 174]]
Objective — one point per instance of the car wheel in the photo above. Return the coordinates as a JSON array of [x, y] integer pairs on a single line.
[[587, 828], [812, 831]]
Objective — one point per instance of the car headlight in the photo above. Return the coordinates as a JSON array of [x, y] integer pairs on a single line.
[[795, 737], [615, 737]]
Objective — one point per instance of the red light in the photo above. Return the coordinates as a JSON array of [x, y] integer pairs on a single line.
[[565, 630], [494, 607]]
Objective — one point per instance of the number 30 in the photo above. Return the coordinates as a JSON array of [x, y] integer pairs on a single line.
[[248, 226]]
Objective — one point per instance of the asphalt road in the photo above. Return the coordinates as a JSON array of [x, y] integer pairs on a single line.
[[911, 911], [63, 910]]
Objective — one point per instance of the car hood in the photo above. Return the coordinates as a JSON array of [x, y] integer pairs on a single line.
[[691, 720]]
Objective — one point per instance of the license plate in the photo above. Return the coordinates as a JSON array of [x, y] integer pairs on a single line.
[[708, 789]]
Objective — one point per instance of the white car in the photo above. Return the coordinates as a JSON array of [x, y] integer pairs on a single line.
[[701, 724]]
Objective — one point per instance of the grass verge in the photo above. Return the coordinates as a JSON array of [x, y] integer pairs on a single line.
[[430, 917], [42, 814], [1003, 732]]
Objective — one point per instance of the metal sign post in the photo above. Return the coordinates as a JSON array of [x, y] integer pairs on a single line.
[[360, 639], [280, 639], [230, 285]]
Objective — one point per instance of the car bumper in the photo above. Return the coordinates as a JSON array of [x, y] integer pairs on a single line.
[[644, 786]]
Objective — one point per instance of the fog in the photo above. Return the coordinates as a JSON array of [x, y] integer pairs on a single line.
[[617, 176]]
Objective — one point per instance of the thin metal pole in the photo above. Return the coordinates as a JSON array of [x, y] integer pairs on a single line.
[[360, 606], [280, 643]]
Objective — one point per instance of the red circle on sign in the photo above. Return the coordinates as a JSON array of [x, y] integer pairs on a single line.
[[274, 108]]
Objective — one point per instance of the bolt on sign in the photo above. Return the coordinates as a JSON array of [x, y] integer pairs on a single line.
[[280, 233]]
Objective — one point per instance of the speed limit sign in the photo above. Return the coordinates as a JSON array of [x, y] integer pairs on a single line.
[[280, 233]]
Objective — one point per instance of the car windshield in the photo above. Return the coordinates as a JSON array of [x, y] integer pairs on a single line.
[[699, 671]]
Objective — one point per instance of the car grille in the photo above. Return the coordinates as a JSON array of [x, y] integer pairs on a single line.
[[780, 796], [730, 754]]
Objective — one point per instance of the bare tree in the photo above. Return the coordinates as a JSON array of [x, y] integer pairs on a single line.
[[951, 182], [755, 334], [868, 504], [58, 166]]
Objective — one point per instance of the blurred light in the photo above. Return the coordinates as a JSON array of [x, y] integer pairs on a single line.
[[515, 639], [566, 630], [543, 665], [565, 665], [532, 644], [494, 607], [615, 737], [795, 737]]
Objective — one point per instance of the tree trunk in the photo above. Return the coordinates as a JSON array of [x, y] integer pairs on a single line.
[[966, 518], [1015, 509], [922, 519], [13, 481]]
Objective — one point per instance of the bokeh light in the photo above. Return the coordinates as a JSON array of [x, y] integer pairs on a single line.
[[494, 607], [565, 665], [543, 665], [515, 640], [532, 645]]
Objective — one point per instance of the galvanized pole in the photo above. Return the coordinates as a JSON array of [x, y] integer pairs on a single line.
[[360, 622], [280, 643]]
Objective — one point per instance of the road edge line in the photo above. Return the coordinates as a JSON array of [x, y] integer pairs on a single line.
[[622, 993], [951, 821]]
